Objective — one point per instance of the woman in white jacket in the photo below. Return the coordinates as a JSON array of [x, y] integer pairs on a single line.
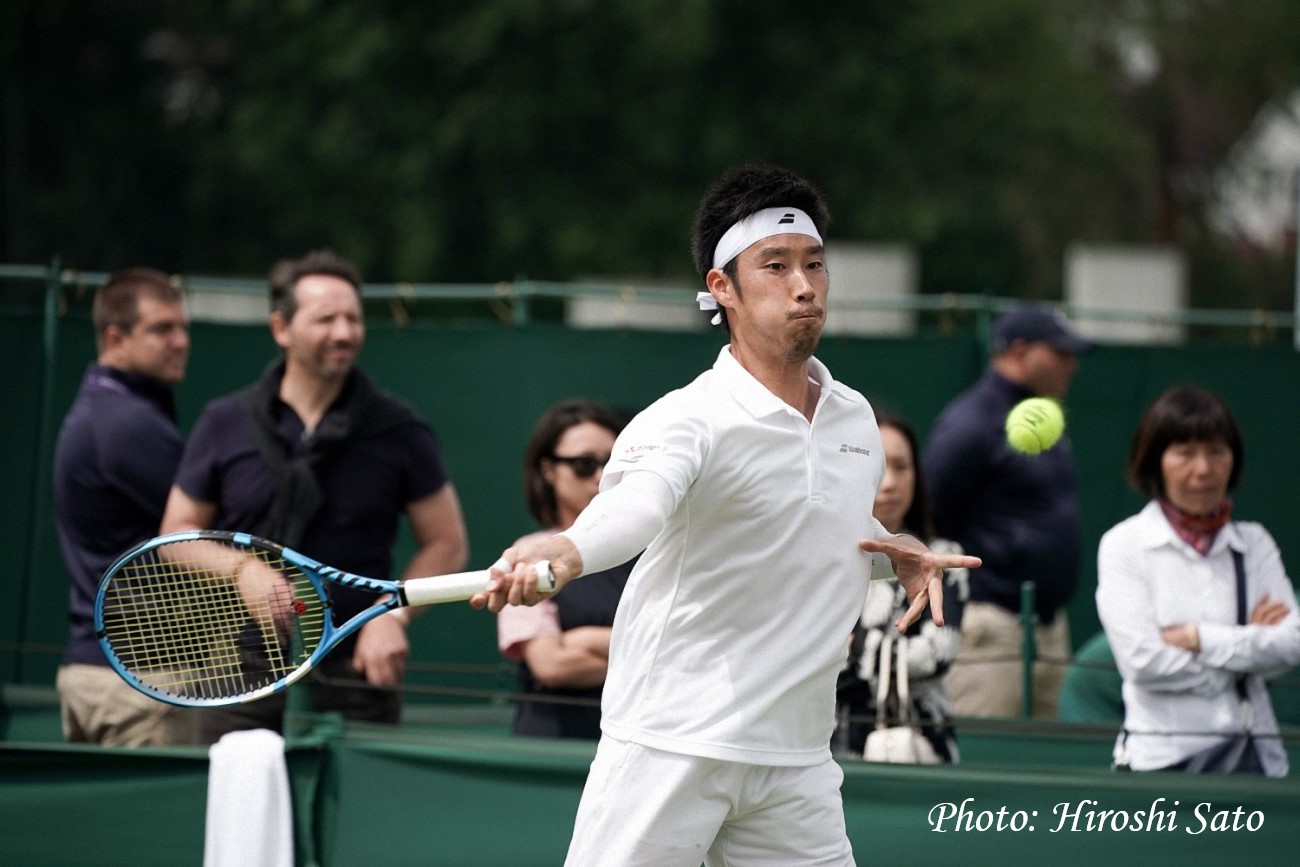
[[1197, 607]]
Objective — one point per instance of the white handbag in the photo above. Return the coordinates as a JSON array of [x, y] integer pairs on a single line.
[[902, 743]]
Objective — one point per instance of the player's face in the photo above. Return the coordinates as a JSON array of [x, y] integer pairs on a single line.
[[898, 487], [326, 332], [777, 304], [1048, 370], [1196, 474], [573, 489], [159, 344]]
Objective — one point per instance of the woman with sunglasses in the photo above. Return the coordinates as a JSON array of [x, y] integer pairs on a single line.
[[562, 644]]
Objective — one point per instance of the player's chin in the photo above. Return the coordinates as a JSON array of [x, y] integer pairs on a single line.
[[804, 344]]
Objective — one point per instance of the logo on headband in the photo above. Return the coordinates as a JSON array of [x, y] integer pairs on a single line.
[[759, 225]]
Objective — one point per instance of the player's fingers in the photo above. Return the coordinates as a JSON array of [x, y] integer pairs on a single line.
[[913, 612], [936, 599], [517, 587], [958, 561], [498, 571]]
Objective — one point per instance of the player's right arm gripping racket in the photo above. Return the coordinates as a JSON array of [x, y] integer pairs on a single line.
[[206, 618]]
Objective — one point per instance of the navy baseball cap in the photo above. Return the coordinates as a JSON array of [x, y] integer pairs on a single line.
[[1037, 324]]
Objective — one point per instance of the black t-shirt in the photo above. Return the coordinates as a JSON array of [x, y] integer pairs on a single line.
[[366, 487]]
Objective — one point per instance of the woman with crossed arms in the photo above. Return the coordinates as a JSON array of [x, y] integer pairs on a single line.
[[1193, 649]]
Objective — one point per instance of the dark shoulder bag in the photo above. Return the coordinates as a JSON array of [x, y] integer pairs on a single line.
[[1237, 754]]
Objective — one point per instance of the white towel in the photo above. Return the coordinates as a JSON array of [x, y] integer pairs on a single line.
[[250, 813]]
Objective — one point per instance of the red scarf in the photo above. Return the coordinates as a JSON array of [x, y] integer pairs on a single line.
[[1198, 530]]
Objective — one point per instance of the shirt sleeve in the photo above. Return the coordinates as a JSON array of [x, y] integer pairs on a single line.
[[670, 439], [426, 470], [621, 522], [1252, 648], [196, 475]]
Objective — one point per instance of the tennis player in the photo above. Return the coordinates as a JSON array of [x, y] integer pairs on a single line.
[[751, 491]]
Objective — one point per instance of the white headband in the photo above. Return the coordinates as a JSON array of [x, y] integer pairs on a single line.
[[708, 302], [754, 228], [759, 225]]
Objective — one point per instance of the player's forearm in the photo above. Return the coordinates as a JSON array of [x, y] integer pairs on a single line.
[[621, 522]]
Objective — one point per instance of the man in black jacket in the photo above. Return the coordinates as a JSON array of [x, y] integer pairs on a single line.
[[1020, 514], [315, 456]]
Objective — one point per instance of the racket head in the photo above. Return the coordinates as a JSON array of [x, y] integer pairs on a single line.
[[208, 618]]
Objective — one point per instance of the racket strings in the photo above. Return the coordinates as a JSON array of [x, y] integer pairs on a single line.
[[211, 620]]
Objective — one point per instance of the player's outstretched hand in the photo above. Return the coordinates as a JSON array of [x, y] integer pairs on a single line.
[[513, 578], [920, 571]]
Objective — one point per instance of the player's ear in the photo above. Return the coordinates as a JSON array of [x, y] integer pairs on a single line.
[[721, 287]]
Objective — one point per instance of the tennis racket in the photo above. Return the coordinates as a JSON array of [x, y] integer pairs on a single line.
[[207, 618]]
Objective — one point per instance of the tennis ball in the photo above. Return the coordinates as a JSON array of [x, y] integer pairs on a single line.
[[1034, 425]]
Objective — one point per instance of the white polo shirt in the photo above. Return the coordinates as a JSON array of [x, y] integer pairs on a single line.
[[735, 622]]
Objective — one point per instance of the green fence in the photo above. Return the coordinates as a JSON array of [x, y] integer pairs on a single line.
[[441, 795], [482, 363]]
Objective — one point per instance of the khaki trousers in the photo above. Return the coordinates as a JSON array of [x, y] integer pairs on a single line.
[[985, 678], [98, 707]]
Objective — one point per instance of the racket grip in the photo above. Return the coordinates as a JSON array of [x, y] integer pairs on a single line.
[[545, 577], [459, 586]]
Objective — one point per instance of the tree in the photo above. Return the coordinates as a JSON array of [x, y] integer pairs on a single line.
[[483, 141]]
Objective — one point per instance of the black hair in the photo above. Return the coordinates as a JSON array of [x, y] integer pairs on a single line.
[[285, 274], [538, 493], [918, 519], [1182, 414], [743, 191]]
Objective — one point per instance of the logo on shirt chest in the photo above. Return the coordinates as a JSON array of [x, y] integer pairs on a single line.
[[845, 448]]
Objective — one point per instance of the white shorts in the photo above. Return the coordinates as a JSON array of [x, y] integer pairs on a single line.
[[643, 806]]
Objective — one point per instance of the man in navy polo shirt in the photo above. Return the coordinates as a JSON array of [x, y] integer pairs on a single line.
[[316, 457], [1019, 514], [116, 454]]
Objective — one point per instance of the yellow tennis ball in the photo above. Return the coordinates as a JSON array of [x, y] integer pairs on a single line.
[[1034, 425]]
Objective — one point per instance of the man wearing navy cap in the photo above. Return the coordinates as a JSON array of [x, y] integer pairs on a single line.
[[1019, 513]]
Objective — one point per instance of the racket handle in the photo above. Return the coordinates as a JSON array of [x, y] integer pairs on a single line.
[[459, 586]]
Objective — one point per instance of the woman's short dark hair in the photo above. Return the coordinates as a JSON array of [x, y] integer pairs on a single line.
[[538, 493], [918, 519], [1182, 414], [743, 191]]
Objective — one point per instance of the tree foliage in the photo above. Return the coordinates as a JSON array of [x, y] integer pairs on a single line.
[[480, 141]]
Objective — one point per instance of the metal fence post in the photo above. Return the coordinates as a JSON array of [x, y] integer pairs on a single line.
[[1028, 650], [44, 448]]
